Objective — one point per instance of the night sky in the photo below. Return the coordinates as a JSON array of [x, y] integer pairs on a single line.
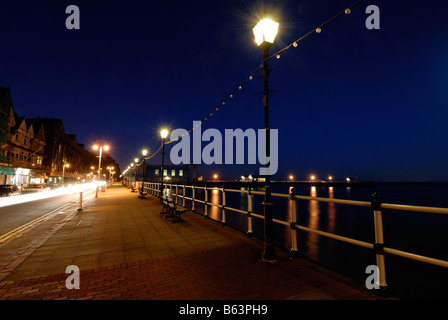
[[350, 101]]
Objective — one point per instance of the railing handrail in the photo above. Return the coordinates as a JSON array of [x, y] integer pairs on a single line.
[[393, 206], [378, 246]]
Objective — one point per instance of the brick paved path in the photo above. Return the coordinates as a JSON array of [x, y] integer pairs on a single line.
[[126, 250]]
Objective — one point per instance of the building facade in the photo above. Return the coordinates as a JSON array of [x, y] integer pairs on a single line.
[[171, 173], [36, 150]]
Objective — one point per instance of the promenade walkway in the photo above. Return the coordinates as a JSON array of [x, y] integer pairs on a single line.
[[126, 250]]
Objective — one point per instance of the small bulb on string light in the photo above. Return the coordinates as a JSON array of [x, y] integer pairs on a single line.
[[231, 96], [318, 30], [250, 78], [347, 11], [223, 103], [295, 44], [240, 87], [277, 56]]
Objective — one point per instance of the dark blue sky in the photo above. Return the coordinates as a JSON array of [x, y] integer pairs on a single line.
[[350, 100]]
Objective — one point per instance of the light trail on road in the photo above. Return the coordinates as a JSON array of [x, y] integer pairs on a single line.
[[13, 200]]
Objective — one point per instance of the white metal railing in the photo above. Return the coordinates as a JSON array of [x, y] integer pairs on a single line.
[[155, 189]]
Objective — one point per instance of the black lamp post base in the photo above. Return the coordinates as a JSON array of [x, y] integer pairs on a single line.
[[269, 255]]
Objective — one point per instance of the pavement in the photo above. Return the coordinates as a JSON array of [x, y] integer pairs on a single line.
[[126, 250]]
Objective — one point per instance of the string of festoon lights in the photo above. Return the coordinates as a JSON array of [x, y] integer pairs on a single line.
[[276, 55]]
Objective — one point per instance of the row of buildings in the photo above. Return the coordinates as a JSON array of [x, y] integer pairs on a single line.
[[38, 150], [171, 173]]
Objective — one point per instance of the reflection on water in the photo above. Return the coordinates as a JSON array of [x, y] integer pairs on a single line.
[[213, 211], [331, 211], [313, 222], [319, 216]]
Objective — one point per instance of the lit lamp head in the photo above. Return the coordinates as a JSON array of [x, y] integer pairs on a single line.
[[144, 152], [164, 134], [106, 148], [136, 160], [95, 147], [265, 32]]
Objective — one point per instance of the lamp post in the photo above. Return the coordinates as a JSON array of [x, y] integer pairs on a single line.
[[163, 134], [110, 173], [131, 184], [63, 170], [100, 147], [144, 153], [135, 172], [265, 32]]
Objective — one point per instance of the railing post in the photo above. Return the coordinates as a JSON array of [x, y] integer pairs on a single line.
[[250, 233], [205, 203], [192, 197], [223, 210], [183, 196], [379, 242], [177, 189], [294, 252]]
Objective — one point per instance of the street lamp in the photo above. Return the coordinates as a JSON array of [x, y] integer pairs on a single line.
[[265, 32], [100, 147], [135, 171], [144, 153], [163, 134], [63, 169], [110, 173]]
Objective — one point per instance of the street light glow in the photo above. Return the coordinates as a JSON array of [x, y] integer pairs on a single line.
[[164, 133], [144, 152], [265, 31]]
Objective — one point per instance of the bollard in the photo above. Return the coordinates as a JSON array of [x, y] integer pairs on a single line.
[[80, 201], [96, 192]]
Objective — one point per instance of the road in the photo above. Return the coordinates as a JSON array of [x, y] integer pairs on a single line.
[[17, 211]]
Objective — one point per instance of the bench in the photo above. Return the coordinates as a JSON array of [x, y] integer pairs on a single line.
[[142, 194], [170, 208]]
